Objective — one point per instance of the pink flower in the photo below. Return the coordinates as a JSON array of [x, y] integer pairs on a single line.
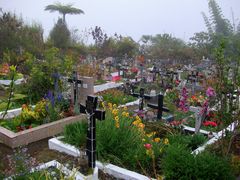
[[210, 92], [148, 146]]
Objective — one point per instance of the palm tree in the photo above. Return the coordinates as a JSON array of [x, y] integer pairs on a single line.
[[63, 9]]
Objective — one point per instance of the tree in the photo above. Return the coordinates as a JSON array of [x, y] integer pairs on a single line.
[[63, 9], [60, 35]]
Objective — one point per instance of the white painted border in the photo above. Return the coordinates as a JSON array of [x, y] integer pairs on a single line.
[[218, 136], [66, 171], [111, 169]]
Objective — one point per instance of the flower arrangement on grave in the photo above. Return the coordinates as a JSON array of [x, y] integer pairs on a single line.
[[196, 100]]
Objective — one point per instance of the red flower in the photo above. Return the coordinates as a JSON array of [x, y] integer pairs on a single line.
[[148, 146], [210, 123]]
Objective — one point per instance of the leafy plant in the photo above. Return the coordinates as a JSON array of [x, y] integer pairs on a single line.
[[116, 97], [76, 133], [179, 163]]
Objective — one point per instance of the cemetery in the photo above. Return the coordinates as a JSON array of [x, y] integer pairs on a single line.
[[118, 109]]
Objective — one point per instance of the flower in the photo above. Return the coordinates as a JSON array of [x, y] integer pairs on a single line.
[[116, 118], [141, 125], [157, 140], [210, 92], [125, 108], [166, 141], [210, 123], [148, 146]]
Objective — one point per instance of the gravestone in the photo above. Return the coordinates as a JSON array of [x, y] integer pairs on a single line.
[[82, 86], [92, 114]]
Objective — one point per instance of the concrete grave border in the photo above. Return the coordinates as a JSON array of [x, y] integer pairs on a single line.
[[25, 137]]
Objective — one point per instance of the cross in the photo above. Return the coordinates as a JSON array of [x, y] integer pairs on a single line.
[[159, 106], [140, 95], [92, 115], [75, 83]]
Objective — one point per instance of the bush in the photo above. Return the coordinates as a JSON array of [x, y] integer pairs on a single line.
[[210, 166], [179, 163], [75, 134], [190, 141]]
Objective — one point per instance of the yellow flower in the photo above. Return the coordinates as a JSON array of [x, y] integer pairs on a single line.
[[123, 113], [116, 118], [114, 111], [125, 108], [157, 140], [141, 125], [166, 141], [149, 135], [135, 123], [114, 106], [117, 125], [110, 105], [127, 114]]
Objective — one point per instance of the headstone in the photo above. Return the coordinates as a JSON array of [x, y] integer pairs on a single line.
[[92, 115]]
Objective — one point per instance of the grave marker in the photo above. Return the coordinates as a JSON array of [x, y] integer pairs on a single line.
[[75, 81], [92, 115], [159, 106], [140, 95]]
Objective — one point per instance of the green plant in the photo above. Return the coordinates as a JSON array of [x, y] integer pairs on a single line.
[[210, 166], [12, 75], [76, 133], [189, 141], [116, 97], [179, 163]]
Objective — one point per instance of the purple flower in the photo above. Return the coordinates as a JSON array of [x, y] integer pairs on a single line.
[[210, 92]]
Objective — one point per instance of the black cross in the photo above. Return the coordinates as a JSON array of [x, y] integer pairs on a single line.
[[159, 106], [93, 114], [75, 83], [140, 95]]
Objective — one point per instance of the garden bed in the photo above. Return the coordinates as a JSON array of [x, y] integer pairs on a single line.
[[13, 140]]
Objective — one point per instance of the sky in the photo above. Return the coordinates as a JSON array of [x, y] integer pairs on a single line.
[[180, 18]]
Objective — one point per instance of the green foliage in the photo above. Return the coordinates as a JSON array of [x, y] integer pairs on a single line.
[[75, 134], [210, 166], [179, 163], [190, 141], [116, 97], [17, 37], [122, 144], [60, 35], [63, 9]]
